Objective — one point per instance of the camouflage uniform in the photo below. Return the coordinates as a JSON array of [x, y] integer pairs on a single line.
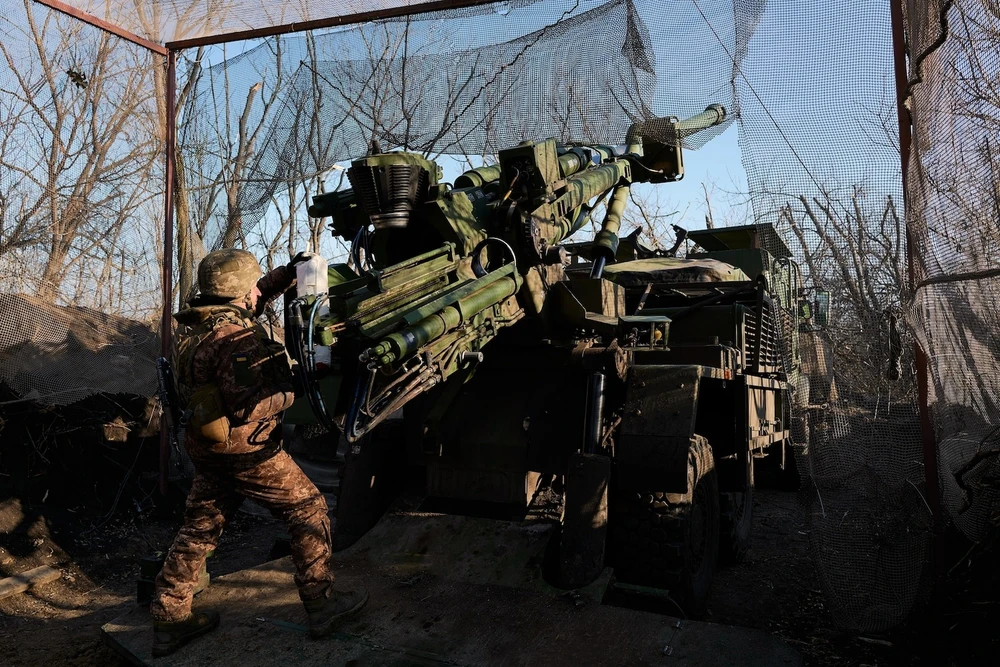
[[222, 348]]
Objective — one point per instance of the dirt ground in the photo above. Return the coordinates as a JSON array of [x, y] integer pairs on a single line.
[[775, 589], [59, 623]]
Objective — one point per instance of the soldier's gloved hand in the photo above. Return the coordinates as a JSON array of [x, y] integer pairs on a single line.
[[300, 258]]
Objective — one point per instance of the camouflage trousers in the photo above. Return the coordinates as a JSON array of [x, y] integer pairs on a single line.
[[277, 484]]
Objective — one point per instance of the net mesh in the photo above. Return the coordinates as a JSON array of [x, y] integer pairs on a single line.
[[80, 208], [821, 154], [821, 148], [167, 21], [954, 209], [289, 110], [265, 125]]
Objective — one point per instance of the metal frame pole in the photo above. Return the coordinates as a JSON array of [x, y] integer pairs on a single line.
[[168, 246], [928, 440], [410, 9], [90, 19]]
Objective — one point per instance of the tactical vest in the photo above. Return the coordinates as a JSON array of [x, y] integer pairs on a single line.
[[203, 404]]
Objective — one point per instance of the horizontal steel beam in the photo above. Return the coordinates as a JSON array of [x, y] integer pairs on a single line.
[[331, 22], [115, 30]]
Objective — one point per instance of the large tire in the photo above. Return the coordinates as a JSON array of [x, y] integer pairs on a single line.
[[736, 521], [671, 540]]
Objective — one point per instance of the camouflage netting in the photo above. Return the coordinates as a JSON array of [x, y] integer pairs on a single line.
[[166, 21], [463, 83], [81, 174], [821, 149], [954, 215], [265, 125], [813, 94], [57, 355]]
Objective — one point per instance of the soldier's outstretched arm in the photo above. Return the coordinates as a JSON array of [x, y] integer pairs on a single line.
[[272, 285], [248, 373]]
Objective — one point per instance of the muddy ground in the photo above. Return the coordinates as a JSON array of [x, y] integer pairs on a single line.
[[775, 590]]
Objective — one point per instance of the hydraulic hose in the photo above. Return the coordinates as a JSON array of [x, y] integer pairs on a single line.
[[323, 414], [306, 360]]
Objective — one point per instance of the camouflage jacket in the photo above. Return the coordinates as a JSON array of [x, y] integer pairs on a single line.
[[223, 345]]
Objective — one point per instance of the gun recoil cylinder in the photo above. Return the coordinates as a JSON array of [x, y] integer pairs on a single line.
[[399, 346]]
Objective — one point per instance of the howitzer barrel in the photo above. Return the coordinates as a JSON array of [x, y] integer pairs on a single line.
[[713, 115], [661, 128]]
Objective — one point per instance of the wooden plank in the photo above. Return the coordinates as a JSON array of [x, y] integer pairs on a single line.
[[419, 618], [22, 582], [445, 590]]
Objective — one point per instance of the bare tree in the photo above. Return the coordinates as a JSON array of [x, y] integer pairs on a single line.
[[76, 134], [856, 251]]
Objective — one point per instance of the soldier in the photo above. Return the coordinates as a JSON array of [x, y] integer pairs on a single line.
[[236, 381]]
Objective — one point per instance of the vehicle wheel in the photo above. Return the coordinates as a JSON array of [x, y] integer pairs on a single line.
[[671, 540], [369, 482], [736, 521]]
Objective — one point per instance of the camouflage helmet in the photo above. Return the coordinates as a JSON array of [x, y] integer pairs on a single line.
[[229, 273]]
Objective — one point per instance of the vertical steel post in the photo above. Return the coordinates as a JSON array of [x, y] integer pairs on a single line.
[[168, 246], [929, 443]]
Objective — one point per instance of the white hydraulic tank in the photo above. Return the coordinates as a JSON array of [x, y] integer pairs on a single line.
[[312, 278]]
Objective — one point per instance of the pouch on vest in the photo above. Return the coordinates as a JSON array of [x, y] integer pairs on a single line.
[[207, 415], [274, 368]]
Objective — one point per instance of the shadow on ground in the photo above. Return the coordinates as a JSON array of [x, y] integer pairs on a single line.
[[59, 623]]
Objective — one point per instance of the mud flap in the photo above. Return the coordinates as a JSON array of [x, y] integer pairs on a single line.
[[585, 520], [661, 409], [370, 480]]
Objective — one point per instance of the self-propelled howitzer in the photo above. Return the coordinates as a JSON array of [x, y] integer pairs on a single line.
[[463, 354], [438, 270]]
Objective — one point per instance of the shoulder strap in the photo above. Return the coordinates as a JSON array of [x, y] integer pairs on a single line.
[[190, 337]]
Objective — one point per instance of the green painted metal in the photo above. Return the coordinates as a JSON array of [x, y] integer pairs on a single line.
[[458, 217], [457, 293], [489, 290], [710, 117], [388, 159], [427, 296], [579, 190], [607, 239], [478, 177]]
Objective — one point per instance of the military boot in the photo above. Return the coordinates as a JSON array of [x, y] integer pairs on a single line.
[[170, 636], [325, 612]]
